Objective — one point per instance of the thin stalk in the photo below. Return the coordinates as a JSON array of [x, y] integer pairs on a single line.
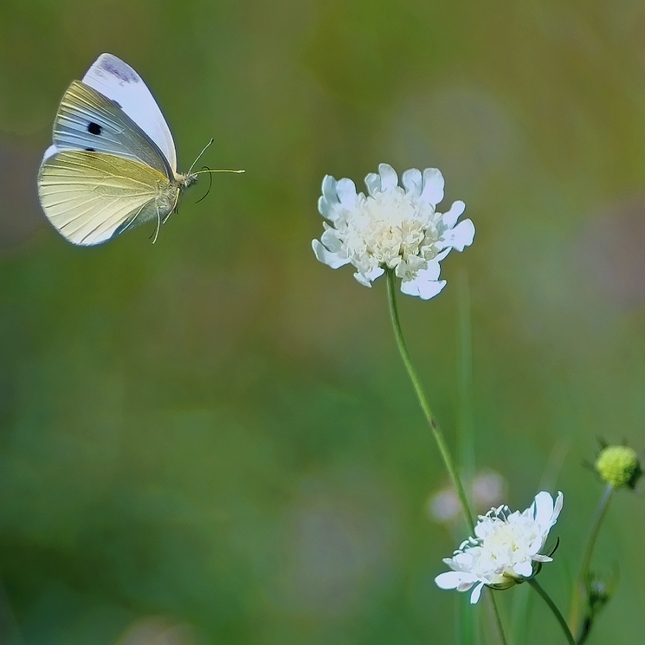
[[434, 427], [465, 622], [423, 402], [554, 608], [496, 615], [593, 533], [581, 593]]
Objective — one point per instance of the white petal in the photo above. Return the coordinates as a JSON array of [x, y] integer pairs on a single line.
[[463, 561], [524, 569], [476, 593], [558, 507], [536, 545], [323, 207], [542, 558], [346, 190], [334, 260], [367, 277], [332, 243], [373, 183], [427, 290], [366, 282], [449, 580], [374, 273], [329, 210], [542, 508], [432, 186], [459, 237], [329, 199], [409, 288], [431, 272], [413, 182], [425, 285], [329, 189], [389, 178], [451, 216]]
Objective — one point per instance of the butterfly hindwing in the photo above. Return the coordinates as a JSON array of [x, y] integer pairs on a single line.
[[90, 122], [91, 196], [119, 82]]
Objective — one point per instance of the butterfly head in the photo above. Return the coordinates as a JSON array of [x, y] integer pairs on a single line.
[[186, 180]]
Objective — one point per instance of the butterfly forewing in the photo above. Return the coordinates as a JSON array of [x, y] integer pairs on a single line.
[[91, 196], [89, 121], [119, 82]]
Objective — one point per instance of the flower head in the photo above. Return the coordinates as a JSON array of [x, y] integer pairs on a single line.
[[393, 227], [619, 466], [505, 550]]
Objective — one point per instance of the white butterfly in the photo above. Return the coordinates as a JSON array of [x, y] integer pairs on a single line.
[[113, 162]]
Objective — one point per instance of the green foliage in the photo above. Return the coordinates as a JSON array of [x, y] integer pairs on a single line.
[[216, 430]]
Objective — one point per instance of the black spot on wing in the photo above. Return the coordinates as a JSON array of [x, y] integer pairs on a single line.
[[94, 128], [90, 149]]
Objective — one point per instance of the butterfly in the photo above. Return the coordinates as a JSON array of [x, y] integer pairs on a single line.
[[113, 163]]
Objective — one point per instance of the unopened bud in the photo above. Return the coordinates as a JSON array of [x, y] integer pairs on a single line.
[[619, 466]]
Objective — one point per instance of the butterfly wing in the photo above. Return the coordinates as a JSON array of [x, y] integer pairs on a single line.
[[87, 120], [119, 82], [91, 196]]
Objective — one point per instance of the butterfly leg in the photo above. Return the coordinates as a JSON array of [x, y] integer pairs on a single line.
[[174, 209], [156, 233]]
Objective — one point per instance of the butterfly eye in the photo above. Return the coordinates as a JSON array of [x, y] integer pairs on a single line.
[[94, 128]]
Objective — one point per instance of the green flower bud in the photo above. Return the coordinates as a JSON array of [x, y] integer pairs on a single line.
[[598, 594], [619, 466]]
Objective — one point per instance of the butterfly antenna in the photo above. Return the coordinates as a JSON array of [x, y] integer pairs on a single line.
[[212, 172], [204, 149], [205, 169], [210, 185]]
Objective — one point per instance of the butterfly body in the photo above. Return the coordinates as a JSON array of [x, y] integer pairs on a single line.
[[112, 164]]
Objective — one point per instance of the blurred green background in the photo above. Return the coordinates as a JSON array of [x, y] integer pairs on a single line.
[[212, 439]]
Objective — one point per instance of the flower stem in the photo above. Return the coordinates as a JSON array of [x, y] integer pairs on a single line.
[[423, 402], [498, 618], [580, 595], [434, 427], [553, 607], [595, 528]]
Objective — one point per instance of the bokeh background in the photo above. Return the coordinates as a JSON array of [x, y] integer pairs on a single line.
[[212, 439]]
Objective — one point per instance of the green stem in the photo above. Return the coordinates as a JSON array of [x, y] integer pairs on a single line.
[[434, 427], [423, 402], [553, 607], [593, 533], [580, 595], [496, 615]]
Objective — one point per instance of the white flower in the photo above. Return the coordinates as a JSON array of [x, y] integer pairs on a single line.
[[393, 227], [505, 547]]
